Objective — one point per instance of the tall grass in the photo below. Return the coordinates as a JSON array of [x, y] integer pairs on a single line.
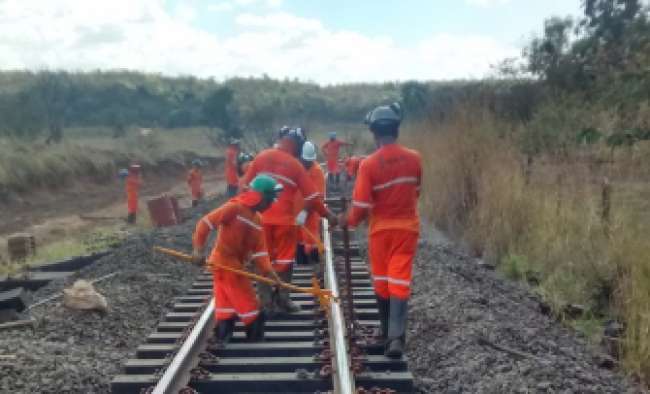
[[543, 222]]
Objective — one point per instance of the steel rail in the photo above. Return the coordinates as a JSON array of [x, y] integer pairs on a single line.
[[343, 379], [177, 374]]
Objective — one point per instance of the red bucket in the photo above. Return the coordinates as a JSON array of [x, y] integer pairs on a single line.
[[161, 211]]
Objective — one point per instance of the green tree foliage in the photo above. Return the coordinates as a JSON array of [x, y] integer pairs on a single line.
[[220, 113]]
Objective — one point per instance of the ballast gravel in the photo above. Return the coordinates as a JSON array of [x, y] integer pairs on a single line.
[[473, 331], [73, 351]]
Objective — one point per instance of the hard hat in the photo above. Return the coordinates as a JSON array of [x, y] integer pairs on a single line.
[[244, 157], [296, 136], [332, 135], [134, 168], [235, 141], [268, 187], [308, 151], [123, 173], [385, 118], [197, 162]]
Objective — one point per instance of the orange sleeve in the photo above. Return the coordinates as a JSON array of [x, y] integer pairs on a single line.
[[313, 199], [210, 222], [361, 197], [260, 254]]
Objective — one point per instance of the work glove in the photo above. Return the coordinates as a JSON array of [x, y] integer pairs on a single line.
[[197, 256], [301, 218]]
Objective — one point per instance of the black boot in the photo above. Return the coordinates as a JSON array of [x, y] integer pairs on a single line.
[[131, 218], [224, 330], [383, 305], [255, 330], [396, 328]]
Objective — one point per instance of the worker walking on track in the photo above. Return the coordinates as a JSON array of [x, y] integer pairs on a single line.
[[309, 222], [387, 189], [195, 182], [281, 163], [232, 180], [331, 149], [133, 184], [240, 237]]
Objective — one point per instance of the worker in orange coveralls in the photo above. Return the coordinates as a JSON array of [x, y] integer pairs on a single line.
[[232, 180], [195, 182], [281, 163], [331, 150], [387, 190], [240, 237], [133, 184], [352, 167], [309, 221]]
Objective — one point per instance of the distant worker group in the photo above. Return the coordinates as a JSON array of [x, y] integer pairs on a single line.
[[273, 216]]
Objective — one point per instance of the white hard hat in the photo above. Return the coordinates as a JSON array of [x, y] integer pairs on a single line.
[[308, 151]]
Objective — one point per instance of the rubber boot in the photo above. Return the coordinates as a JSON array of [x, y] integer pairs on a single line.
[[130, 219], [255, 330], [267, 299], [224, 330], [284, 303], [383, 304], [396, 328]]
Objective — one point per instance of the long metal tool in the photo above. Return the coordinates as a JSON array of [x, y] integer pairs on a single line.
[[177, 375], [348, 271], [342, 374]]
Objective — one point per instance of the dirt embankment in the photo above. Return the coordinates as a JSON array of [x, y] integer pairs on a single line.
[[84, 206]]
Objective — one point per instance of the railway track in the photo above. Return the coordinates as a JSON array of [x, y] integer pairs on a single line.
[[305, 352]]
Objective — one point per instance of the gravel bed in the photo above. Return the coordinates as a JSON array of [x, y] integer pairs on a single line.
[[79, 352], [472, 331]]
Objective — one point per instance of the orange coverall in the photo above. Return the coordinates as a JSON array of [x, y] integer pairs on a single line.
[[240, 237], [231, 165], [195, 182], [388, 187], [352, 166], [133, 184], [312, 224], [280, 219], [331, 150]]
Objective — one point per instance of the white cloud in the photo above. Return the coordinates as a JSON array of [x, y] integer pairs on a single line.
[[487, 3], [234, 4], [144, 35]]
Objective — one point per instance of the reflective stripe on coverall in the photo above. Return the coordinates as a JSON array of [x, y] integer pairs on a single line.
[[388, 187], [240, 237], [279, 220]]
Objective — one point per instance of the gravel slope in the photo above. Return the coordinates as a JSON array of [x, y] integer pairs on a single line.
[[460, 309], [79, 352]]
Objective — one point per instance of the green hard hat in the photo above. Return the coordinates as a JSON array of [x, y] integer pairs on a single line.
[[267, 186]]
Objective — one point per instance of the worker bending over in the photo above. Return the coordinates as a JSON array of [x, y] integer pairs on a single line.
[[239, 238], [331, 149], [232, 180], [387, 189], [195, 182], [281, 163], [133, 184], [309, 222]]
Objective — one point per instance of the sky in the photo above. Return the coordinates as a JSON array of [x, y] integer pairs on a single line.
[[323, 41]]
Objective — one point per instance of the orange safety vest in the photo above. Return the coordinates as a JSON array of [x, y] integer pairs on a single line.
[[388, 187], [240, 236], [288, 171]]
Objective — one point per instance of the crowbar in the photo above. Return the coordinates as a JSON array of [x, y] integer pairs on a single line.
[[324, 296]]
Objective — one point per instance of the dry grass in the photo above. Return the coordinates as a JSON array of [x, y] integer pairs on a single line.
[[544, 222], [90, 154]]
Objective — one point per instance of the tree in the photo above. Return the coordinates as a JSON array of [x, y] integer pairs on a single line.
[[219, 112], [52, 94]]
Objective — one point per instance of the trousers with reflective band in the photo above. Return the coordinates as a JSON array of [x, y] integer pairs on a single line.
[[391, 261], [195, 182], [281, 241], [133, 183], [234, 296]]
